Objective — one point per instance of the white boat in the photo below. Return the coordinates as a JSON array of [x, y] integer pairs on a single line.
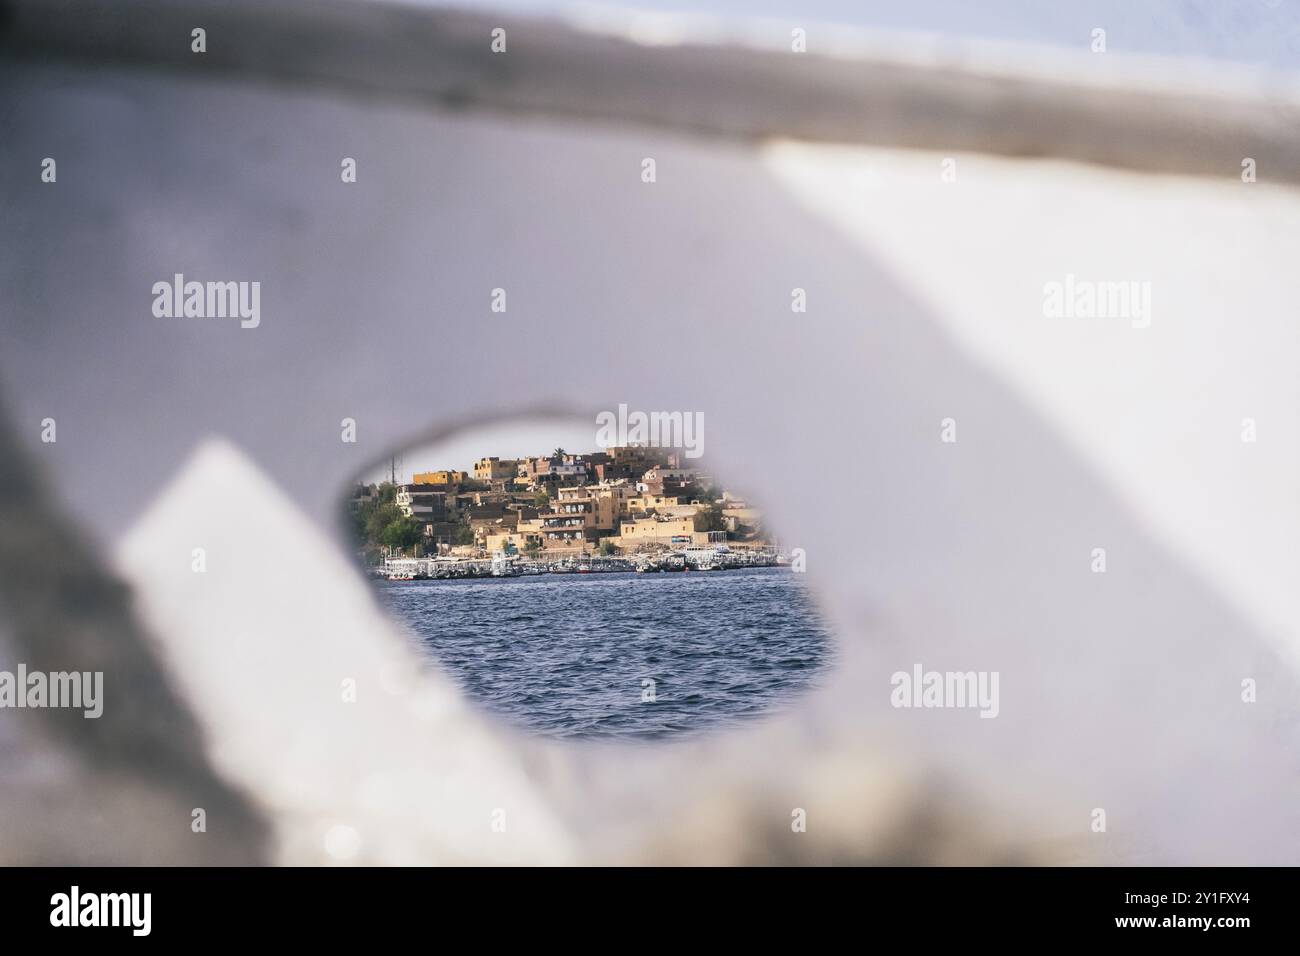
[[702, 559], [401, 569], [504, 567]]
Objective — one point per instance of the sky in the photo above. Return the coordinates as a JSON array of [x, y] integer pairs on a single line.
[[512, 439], [1260, 32]]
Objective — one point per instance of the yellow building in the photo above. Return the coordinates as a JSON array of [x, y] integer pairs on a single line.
[[493, 469], [665, 532], [438, 477], [671, 505], [495, 541], [599, 505]]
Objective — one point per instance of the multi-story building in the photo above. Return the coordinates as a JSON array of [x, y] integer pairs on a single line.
[[431, 508], [639, 497], [592, 460], [670, 505], [630, 462], [495, 515], [560, 534], [495, 469], [444, 479], [578, 517], [511, 542], [741, 518], [661, 531], [662, 480], [547, 474], [605, 503], [422, 502]]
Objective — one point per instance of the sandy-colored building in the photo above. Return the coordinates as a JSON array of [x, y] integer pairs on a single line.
[[662, 480], [672, 506], [604, 503], [510, 541], [736, 518], [422, 502], [494, 469], [656, 530], [443, 478]]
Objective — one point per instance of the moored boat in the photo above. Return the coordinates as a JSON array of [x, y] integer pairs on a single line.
[[504, 567]]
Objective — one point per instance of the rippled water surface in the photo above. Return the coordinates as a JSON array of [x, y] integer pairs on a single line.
[[567, 655]]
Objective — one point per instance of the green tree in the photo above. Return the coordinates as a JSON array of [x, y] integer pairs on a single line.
[[359, 517], [377, 523], [370, 516], [401, 533], [558, 453], [380, 518]]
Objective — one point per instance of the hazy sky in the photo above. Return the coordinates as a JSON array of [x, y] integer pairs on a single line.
[[516, 439], [1251, 31]]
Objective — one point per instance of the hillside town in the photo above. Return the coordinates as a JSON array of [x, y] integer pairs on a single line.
[[633, 502]]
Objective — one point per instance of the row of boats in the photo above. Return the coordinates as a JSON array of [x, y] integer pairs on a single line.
[[512, 566]]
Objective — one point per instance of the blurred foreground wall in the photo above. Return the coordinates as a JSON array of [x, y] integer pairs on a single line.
[[924, 225]]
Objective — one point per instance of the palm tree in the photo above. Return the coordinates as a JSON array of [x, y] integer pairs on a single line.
[[558, 453]]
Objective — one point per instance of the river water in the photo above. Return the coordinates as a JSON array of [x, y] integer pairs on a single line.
[[573, 655]]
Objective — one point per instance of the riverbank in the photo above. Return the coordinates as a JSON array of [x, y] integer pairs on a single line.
[[506, 566]]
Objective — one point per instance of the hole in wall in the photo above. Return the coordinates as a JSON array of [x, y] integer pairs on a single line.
[[581, 591]]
